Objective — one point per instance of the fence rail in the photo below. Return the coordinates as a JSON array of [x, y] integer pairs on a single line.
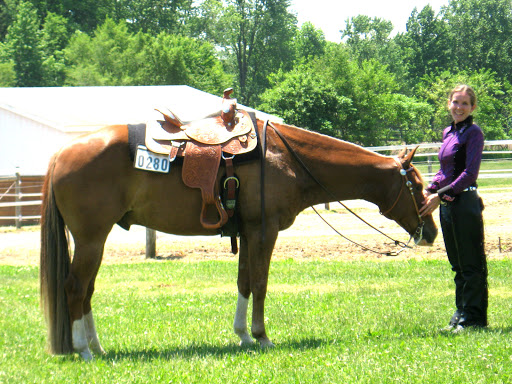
[[20, 199]]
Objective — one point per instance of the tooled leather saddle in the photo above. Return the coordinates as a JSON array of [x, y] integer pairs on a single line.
[[203, 144]]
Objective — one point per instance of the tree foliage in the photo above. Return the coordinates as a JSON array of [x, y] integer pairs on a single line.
[[22, 48], [372, 88], [258, 33]]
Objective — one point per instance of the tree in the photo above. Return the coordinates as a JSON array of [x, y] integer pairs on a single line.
[[54, 39], [7, 12], [7, 74], [174, 59], [309, 43], [306, 99], [154, 16], [257, 37], [110, 57], [116, 56], [480, 33], [367, 37], [425, 45], [22, 46]]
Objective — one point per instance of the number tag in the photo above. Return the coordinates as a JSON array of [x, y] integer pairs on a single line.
[[150, 161]]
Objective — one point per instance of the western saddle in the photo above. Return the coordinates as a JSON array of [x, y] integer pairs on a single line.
[[202, 144]]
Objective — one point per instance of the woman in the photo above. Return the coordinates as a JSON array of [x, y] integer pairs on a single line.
[[454, 188]]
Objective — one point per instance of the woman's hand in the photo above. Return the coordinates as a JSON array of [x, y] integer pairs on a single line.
[[431, 202]]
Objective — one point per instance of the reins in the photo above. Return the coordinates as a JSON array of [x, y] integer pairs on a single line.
[[403, 173]]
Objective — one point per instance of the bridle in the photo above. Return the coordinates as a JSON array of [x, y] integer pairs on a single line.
[[418, 232]]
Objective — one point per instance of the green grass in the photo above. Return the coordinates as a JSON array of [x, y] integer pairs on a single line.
[[332, 322]]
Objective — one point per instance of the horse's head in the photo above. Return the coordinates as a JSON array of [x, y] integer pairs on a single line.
[[407, 200]]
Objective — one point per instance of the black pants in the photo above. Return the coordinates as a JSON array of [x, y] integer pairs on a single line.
[[463, 233]]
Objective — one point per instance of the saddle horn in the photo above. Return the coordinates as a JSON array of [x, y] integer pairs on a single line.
[[228, 108]]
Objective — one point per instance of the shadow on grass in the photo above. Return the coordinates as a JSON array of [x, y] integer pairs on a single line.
[[203, 350]]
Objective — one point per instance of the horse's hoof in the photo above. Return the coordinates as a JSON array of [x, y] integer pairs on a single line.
[[86, 355], [266, 343], [98, 349], [246, 341]]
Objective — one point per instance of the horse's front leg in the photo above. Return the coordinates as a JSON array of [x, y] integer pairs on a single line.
[[244, 291], [259, 263]]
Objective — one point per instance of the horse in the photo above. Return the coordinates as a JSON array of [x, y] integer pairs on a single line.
[[91, 185]]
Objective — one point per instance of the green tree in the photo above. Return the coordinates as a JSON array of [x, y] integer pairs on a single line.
[[367, 37], [7, 73], [370, 39], [205, 22], [155, 16], [174, 59], [304, 98], [7, 12], [425, 45], [480, 33], [54, 39], [84, 15], [309, 42], [116, 56], [22, 47], [111, 57], [257, 37]]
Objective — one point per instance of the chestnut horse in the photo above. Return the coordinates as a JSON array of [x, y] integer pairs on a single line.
[[92, 184]]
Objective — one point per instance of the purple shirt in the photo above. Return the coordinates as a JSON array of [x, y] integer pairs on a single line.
[[459, 156]]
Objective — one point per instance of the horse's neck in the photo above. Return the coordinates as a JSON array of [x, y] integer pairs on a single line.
[[346, 170]]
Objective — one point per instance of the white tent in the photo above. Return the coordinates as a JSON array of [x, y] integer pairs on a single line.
[[36, 122]]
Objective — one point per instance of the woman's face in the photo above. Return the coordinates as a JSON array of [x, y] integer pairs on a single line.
[[460, 106]]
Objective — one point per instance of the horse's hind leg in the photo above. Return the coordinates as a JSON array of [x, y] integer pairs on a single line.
[[85, 265], [90, 328]]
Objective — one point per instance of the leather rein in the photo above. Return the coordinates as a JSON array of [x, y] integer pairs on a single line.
[[405, 182]]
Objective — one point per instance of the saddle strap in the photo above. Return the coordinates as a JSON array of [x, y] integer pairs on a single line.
[[230, 182], [200, 168]]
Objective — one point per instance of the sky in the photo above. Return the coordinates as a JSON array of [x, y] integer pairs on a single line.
[[330, 15]]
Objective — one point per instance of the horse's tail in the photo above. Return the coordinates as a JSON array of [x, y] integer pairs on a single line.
[[54, 269]]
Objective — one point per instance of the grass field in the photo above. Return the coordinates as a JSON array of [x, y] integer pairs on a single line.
[[332, 322], [362, 319]]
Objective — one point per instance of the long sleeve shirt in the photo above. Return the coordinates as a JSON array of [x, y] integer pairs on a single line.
[[460, 156]]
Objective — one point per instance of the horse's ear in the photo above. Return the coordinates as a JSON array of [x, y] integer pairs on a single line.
[[407, 159]]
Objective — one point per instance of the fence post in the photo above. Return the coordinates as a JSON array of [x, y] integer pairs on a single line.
[[429, 162], [17, 191], [150, 243]]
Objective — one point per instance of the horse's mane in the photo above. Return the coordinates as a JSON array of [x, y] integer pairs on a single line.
[[323, 141]]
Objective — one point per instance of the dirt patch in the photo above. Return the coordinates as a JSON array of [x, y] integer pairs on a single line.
[[308, 238]]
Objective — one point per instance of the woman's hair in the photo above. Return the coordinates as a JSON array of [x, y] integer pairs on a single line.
[[465, 89]]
